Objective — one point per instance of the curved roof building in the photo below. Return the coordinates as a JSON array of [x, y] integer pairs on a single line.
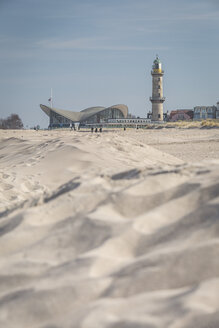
[[92, 115]]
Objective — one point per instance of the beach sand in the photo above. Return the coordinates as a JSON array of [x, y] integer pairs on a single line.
[[118, 229]]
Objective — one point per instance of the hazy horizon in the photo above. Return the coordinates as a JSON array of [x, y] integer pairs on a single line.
[[96, 53]]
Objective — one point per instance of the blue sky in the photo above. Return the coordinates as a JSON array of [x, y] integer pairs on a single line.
[[98, 52]]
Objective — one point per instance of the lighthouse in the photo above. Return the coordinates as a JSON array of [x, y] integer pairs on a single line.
[[157, 98]]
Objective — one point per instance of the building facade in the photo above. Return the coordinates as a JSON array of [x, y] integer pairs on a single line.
[[157, 98], [204, 112], [131, 121], [181, 115], [217, 111], [93, 115]]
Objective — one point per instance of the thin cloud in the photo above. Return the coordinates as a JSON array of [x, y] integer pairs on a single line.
[[201, 17], [92, 44], [208, 16], [136, 11]]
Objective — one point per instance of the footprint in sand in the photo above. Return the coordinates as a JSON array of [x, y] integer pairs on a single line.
[[31, 162], [6, 186], [5, 176]]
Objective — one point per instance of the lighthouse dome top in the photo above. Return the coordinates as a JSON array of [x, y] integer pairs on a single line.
[[157, 60], [157, 66]]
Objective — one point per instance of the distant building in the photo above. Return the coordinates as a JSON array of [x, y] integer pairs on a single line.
[[130, 121], [205, 112], [181, 115], [92, 115], [217, 111]]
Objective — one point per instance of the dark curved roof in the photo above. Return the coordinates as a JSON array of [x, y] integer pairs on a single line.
[[85, 113]]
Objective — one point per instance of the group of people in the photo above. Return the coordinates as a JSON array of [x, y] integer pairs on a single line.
[[96, 130]]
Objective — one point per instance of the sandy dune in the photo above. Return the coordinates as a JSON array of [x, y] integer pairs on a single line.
[[111, 230]]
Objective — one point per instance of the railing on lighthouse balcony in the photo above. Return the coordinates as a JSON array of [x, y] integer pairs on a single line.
[[157, 98]]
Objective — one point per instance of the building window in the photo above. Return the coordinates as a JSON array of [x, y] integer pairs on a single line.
[[158, 115]]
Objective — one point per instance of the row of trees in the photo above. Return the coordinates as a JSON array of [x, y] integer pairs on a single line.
[[11, 122]]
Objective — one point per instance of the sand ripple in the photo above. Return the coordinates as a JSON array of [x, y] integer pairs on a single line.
[[95, 235]]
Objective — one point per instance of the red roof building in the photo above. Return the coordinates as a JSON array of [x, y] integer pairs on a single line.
[[181, 115]]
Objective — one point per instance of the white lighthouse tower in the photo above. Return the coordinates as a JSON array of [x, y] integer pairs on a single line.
[[157, 98]]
